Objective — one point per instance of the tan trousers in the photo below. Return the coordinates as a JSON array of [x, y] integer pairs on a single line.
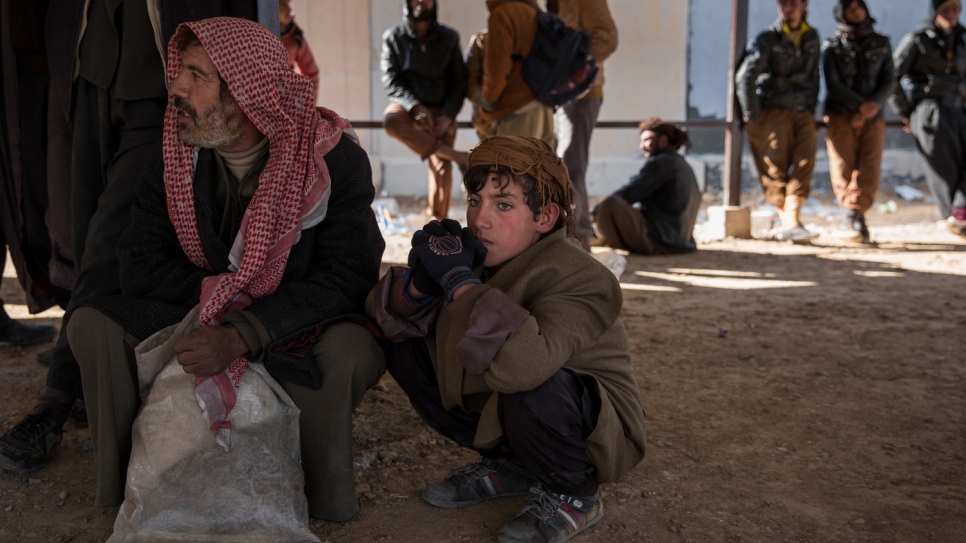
[[855, 160], [347, 355], [624, 227], [534, 120], [783, 143], [400, 124]]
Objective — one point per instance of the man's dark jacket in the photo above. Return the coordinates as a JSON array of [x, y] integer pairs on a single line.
[[925, 72], [857, 71], [776, 74], [329, 272], [668, 194], [429, 72]]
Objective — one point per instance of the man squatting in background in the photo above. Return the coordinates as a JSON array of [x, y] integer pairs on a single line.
[[425, 78]]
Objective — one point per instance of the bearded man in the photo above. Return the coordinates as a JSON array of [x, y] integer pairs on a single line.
[[257, 208]]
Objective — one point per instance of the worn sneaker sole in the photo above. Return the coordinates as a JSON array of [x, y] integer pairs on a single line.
[[444, 504], [507, 539]]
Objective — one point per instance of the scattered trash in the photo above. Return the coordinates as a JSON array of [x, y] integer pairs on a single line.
[[614, 262], [386, 210], [763, 219], [888, 207], [724, 333], [909, 194], [389, 204]]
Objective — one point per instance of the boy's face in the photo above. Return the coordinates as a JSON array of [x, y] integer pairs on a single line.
[[500, 218]]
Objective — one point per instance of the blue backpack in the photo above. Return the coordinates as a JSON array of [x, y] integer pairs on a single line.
[[560, 67]]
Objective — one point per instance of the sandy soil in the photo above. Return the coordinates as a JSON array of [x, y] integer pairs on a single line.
[[793, 393]]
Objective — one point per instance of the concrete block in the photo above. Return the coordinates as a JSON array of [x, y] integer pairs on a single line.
[[729, 222]]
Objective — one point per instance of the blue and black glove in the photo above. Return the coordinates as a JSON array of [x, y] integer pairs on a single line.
[[443, 258]]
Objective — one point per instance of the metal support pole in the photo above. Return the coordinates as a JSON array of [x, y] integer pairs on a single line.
[[268, 15], [733, 137]]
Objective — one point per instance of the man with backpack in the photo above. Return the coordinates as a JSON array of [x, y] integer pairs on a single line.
[[574, 123], [506, 98]]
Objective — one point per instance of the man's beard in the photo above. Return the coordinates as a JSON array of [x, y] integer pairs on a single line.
[[219, 128], [421, 14]]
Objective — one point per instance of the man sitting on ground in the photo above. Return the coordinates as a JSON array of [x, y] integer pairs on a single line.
[[258, 208], [508, 340], [665, 191]]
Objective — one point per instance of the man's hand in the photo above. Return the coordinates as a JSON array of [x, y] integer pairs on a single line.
[[906, 126], [424, 118], [857, 121], [209, 350], [443, 124], [869, 109]]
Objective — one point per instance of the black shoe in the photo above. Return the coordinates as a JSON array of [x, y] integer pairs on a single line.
[[18, 333], [853, 228], [25, 448], [477, 482], [45, 358]]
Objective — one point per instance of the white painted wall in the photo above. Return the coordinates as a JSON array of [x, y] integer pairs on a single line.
[[649, 74]]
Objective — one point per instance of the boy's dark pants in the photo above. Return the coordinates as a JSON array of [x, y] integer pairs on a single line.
[[545, 429]]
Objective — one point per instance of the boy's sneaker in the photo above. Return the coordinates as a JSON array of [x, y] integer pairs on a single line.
[[478, 482], [553, 518], [25, 448]]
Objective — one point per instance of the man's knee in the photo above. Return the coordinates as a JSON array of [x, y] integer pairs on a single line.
[[348, 352], [609, 207], [87, 323], [394, 123]]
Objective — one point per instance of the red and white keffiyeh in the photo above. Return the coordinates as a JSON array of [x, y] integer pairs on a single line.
[[293, 189]]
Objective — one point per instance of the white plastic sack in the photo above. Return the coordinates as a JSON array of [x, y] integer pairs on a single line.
[[182, 486]]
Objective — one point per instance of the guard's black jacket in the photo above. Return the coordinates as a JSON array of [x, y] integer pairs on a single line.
[[429, 72], [776, 74]]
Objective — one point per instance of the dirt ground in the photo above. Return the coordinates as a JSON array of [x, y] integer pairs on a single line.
[[793, 394]]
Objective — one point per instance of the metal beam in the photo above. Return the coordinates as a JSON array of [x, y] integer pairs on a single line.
[[701, 124], [268, 15], [733, 136]]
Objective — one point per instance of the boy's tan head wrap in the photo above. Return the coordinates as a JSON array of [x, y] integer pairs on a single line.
[[535, 157]]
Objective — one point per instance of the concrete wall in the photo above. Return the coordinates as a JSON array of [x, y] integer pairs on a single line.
[[646, 76], [671, 62]]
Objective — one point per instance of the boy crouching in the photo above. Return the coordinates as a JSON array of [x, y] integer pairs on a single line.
[[507, 338]]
